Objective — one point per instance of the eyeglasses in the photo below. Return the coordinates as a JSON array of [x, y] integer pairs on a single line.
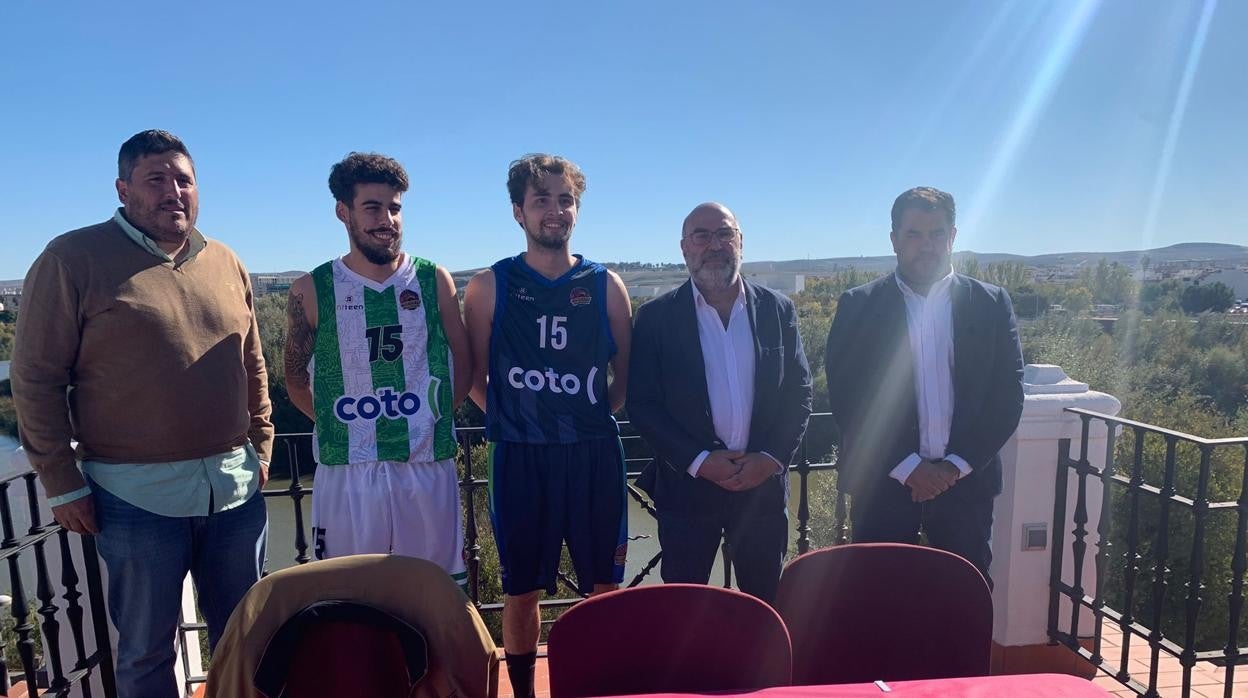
[[703, 237]]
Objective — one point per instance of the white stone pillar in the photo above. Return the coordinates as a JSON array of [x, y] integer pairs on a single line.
[[69, 655], [1021, 568]]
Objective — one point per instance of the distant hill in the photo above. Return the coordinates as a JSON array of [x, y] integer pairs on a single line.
[[1187, 251]]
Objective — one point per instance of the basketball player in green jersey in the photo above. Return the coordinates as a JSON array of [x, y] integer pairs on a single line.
[[377, 356]]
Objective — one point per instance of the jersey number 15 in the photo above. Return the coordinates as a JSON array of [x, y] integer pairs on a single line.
[[385, 342], [558, 333]]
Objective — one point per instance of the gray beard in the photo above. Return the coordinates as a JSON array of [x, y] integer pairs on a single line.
[[716, 279]]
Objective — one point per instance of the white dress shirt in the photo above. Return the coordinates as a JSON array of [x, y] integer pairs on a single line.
[[728, 357], [929, 323]]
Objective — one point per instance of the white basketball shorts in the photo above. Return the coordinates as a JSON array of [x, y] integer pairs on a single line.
[[407, 509]]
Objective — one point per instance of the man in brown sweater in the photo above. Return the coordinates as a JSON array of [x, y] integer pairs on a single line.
[[149, 328]]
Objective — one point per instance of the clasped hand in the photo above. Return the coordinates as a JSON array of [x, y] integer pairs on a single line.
[[931, 478], [737, 471]]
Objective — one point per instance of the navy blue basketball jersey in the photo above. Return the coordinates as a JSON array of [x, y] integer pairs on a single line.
[[549, 349]]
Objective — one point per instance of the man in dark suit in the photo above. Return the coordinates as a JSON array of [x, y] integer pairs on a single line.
[[924, 375], [720, 389]]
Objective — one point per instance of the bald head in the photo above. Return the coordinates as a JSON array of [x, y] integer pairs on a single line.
[[711, 243], [714, 214]]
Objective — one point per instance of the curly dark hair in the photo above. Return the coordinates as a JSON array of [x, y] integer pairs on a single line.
[[924, 199], [537, 165], [365, 168], [149, 142]]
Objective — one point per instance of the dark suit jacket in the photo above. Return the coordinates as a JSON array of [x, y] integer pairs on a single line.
[[667, 395], [871, 386]]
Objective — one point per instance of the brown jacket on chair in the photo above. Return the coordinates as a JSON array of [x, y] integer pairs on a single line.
[[463, 660]]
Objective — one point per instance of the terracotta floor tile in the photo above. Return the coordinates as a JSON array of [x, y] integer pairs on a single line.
[[1165, 662], [1108, 683], [1170, 692], [1199, 678], [1206, 678], [1216, 692]]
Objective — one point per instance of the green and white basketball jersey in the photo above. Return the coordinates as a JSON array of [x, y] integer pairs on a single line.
[[381, 372]]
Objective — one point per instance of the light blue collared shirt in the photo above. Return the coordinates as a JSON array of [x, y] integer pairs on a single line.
[[195, 487]]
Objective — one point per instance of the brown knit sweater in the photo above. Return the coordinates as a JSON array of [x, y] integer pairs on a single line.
[[162, 360]]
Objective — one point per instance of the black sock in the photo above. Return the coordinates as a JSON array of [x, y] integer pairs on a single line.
[[520, 668]]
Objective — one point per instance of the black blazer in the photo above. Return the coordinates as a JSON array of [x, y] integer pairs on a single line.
[[667, 395], [870, 374]]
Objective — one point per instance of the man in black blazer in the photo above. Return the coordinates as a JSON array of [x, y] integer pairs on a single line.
[[719, 387], [924, 375]]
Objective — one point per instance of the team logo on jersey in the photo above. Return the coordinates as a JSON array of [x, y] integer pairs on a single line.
[[384, 403], [555, 382], [350, 304], [409, 299], [522, 294], [580, 296]]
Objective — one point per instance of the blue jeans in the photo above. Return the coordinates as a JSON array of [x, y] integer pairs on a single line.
[[148, 556]]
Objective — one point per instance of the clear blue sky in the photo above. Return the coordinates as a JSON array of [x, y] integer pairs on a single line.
[[1059, 126]]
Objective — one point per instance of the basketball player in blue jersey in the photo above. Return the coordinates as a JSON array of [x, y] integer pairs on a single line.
[[544, 326]]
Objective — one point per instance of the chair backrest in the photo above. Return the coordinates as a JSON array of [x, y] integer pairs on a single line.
[[462, 659], [341, 648], [670, 637], [862, 612]]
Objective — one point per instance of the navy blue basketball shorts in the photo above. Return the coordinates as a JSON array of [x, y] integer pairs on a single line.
[[544, 494]]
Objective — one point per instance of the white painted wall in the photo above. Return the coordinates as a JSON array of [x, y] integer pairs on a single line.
[[1021, 594]]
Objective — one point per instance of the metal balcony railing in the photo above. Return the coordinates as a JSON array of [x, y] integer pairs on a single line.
[[1165, 500]]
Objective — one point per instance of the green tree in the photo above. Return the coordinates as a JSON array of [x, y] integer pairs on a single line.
[[271, 317], [7, 333], [1216, 297], [8, 413], [816, 306], [1077, 299], [1160, 295], [826, 289], [1029, 303], [1011, 276], [1225, 375], [967, 265], [1109, 282]]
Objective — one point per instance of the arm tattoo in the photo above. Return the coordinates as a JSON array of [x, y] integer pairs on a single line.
[[300, 343]]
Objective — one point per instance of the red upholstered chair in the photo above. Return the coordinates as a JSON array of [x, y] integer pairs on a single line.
[[671, 637], [339, 648], [858, 613]]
